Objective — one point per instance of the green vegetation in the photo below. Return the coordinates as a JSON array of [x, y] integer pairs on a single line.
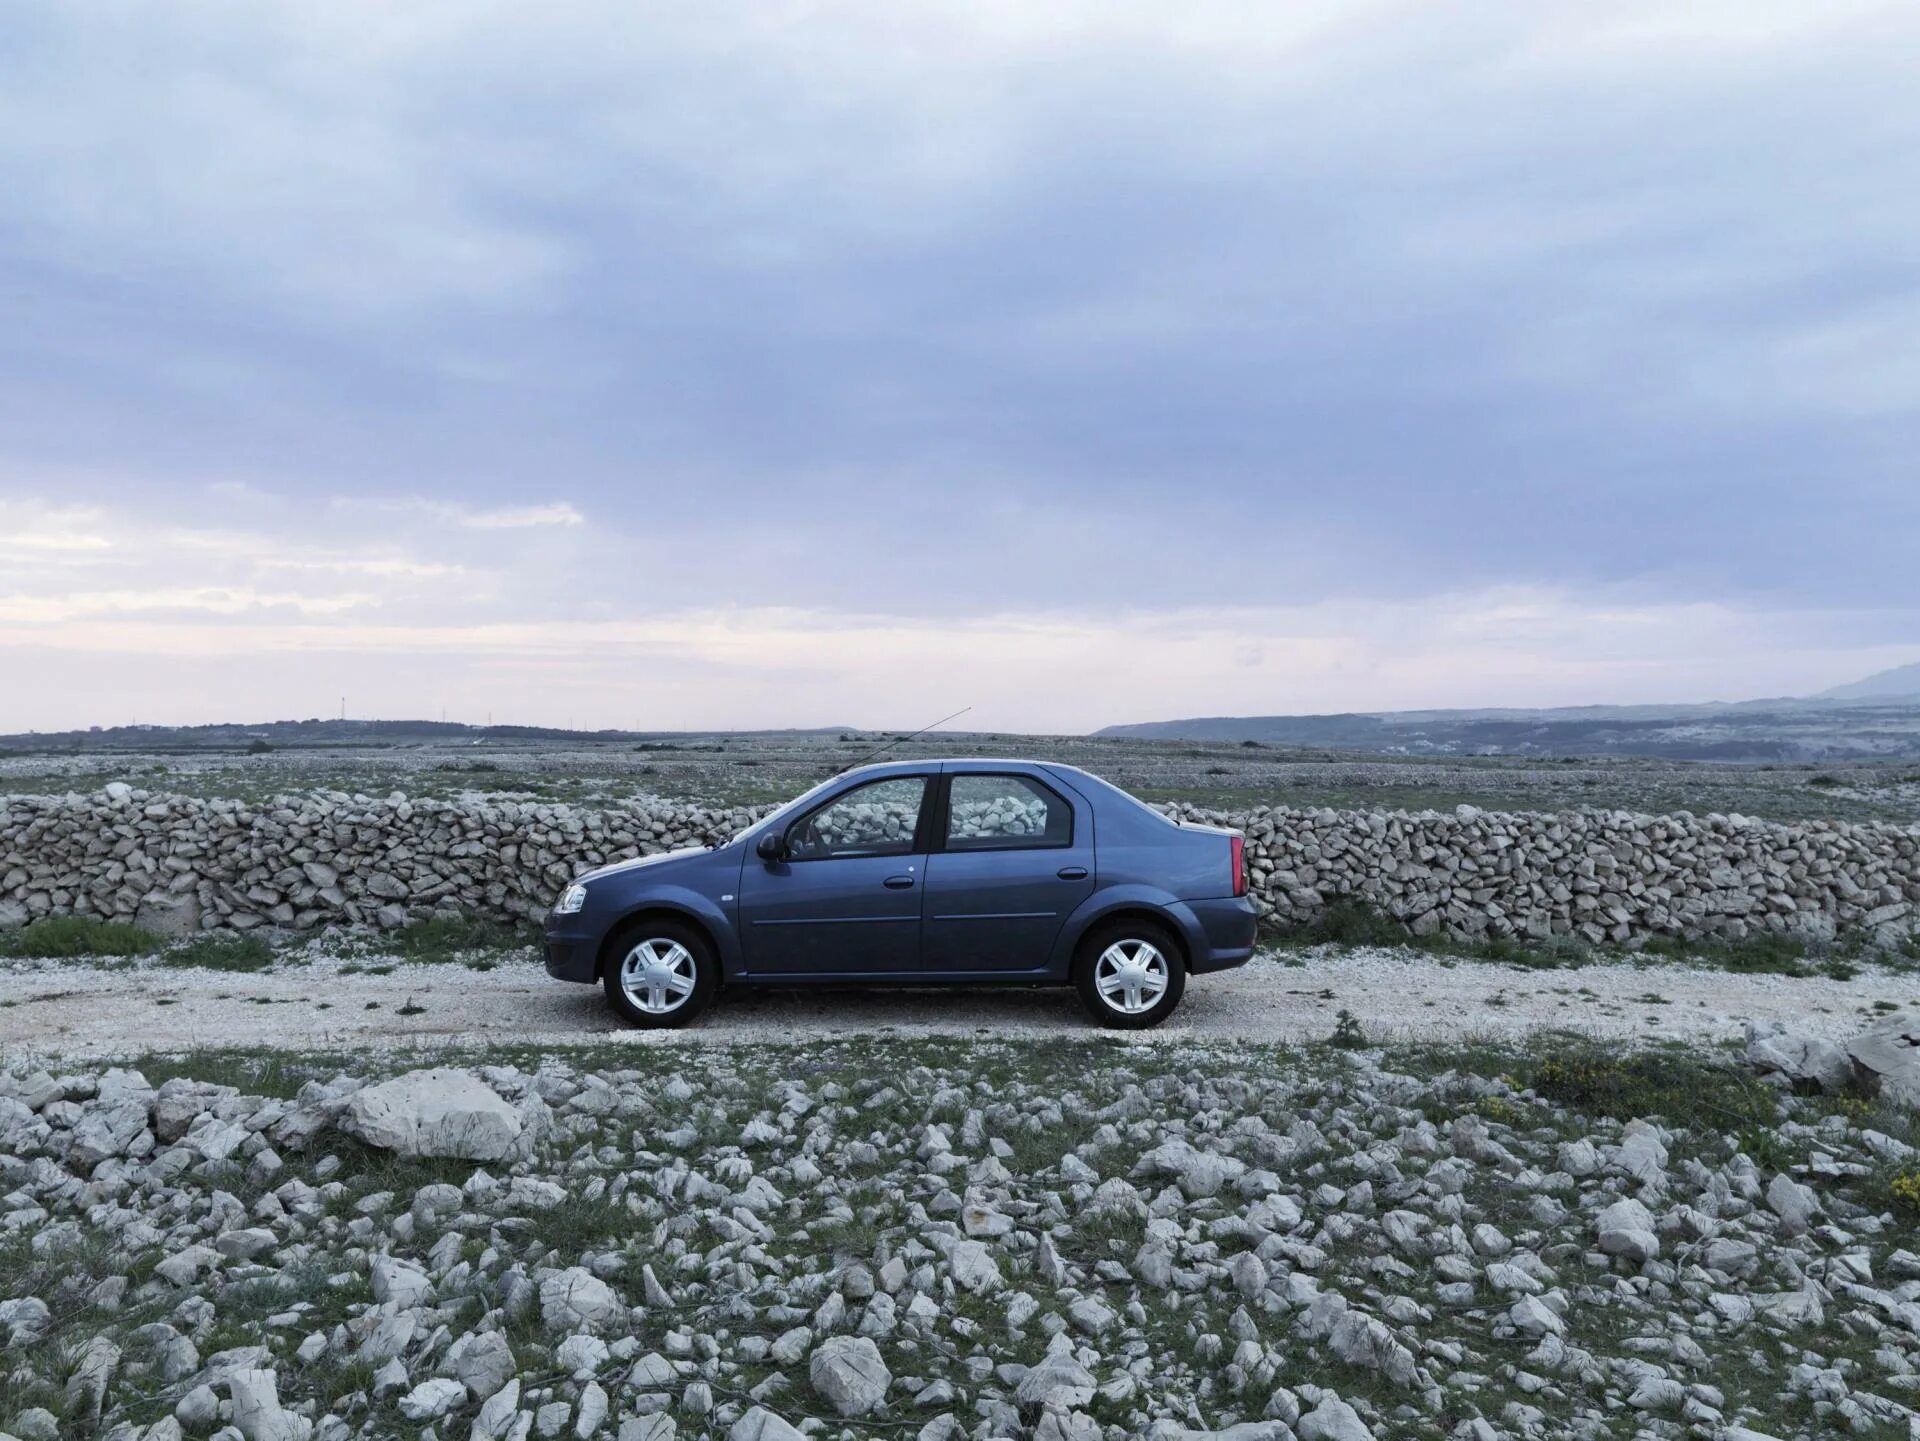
[[221, 951], [1347, 1033], [77, 937], [1350, 922], [1904, 1189], [437, 940]]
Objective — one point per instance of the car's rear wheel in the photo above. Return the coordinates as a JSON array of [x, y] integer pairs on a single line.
[[661, 973], [1129, 974]]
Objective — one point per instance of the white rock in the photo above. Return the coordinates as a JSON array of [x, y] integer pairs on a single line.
[[497, 1413], [973, 1267], [760, 1424], [432, 1399], [1772, 1048], [1625, 1229], [484, 1364], [1533, 1317], [1888, 1059], [1333, 1420], [399, 1283], [1058, 1381], [576, 1299], [1793, 1203], [581, 1354], [443, 1112], [848, 1372], [592, 1412]]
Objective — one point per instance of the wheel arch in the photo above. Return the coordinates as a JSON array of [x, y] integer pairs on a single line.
[[1119, 903], [657, 909], [1156, 917]]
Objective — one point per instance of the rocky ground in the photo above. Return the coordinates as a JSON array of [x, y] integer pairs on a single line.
[[936, 1239], [310, 999], [740, 770]]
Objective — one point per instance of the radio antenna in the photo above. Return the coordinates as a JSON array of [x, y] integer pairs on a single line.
[[900, 740]]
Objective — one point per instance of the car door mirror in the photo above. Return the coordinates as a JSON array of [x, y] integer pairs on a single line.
[[771, 847]]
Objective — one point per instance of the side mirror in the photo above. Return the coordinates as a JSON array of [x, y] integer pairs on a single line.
[[770, 847]]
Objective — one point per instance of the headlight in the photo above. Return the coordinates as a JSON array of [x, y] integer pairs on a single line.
[[572, 901]]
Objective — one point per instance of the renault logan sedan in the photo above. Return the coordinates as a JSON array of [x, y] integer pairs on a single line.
[[954, 872]]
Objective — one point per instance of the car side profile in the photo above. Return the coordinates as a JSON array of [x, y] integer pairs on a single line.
[[952, 872]]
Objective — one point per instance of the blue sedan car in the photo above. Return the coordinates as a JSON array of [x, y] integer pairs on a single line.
[[921, 872]]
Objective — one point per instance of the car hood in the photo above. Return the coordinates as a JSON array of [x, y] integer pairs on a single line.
[[638, 861]]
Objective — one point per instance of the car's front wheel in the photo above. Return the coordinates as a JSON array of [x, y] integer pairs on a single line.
[[661, 973], [1129, 974]]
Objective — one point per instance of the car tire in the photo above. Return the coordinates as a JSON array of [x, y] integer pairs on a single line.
[[1115, 952], [660, 973]]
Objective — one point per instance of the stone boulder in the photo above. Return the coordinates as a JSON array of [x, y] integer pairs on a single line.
[[849, 1374], [576, 1299], [443, 1112], [1887, 1059], [173, 914], [1772, 1049]]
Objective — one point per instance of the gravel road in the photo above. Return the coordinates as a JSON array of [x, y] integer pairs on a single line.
[[67, 1009]]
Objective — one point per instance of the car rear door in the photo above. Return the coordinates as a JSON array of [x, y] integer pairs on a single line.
[[1011, 858], [846, 898]]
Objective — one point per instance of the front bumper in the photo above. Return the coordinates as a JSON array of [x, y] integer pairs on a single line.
[[572, 955], [1226, 927]]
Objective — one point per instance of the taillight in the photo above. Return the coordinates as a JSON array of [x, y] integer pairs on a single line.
[[1239, 865]]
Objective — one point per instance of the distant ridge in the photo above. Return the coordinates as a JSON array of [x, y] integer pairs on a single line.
[[1834, 728], [232, 735], [1902, 682]]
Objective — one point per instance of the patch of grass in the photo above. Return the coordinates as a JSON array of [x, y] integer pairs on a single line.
[[75, 937], [1688, 1088], [258, 1072], [1768, 1149], [1348, 921], [1343, 923], [1654, 1082], [221, 951], [440, 939]]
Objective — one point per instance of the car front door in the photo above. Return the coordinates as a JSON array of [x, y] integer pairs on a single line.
[[844, 899], [1013, 859]]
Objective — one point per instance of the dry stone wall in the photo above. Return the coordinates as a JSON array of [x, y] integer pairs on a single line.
[[179, 864]]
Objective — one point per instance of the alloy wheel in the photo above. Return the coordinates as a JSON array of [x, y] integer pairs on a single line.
[[658, 975], [1131, 976]]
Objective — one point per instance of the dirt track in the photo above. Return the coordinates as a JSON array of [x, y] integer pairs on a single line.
[[60, 1008]]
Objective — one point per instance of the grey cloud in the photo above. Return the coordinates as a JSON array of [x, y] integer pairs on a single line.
[[961, 314]]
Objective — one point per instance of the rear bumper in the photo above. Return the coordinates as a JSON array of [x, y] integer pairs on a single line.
[[572, 955], [1222, 934]]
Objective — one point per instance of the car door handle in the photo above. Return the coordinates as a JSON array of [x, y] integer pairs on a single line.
[[1072, 873], [898, 883]]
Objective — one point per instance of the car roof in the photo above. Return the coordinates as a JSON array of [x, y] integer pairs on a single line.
[[924, 763]]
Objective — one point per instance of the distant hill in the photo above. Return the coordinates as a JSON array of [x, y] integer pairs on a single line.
[[1776, 730], [1902, 682], [346, 734]]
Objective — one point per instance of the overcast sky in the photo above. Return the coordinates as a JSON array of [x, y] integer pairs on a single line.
[[744, 365]]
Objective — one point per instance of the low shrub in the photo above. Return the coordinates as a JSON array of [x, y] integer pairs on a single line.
[[221, 951], [1654, 1082], [75, 937], [1905, 1190], [445, 938]]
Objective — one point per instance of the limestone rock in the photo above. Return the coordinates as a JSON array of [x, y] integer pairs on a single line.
[[443, 1112]]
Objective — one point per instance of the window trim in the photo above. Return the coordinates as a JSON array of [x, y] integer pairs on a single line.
[[916, 845], [943, 819]]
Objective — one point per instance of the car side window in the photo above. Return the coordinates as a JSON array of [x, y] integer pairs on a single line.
[[1005, 813], [876, 819]]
